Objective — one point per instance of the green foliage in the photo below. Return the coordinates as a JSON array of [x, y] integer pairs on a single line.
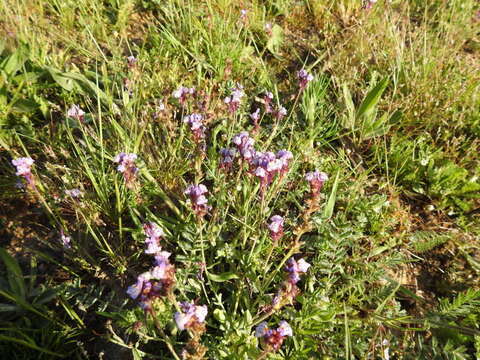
[[401, 154]]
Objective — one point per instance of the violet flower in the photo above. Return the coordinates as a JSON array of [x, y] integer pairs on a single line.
[[196, 125], [131, 61], [233, 101], [280, 113], [191, 316], [244, 144], [284, 156], [75, 112], [276, 227], [198, 199], [154, 234], [24, 169], [154, 283], [295, 269], [182, 93], [255, 116], [65, 240], [267, 165], [74, 193], [273, 338], [304, 78], [316, 180], [227, 157], [127, 167], [267, 100]]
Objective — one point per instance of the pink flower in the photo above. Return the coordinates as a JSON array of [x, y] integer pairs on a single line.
[[75, 112]]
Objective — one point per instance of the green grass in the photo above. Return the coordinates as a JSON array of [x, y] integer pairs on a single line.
[[392, 117]]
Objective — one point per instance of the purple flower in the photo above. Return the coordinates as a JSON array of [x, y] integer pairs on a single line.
[[284, 329], [227, 157], [295, 269], [196, 125], [284, 156], [154, 233], [267, 165], [233, 101], [182, 93], [262, 329], [244, 144], [74, 193], [190, 315], [304, 78], [198, 199], [280, 113], [24, 169], [271, 338], [65, 240], [132, 61], [267, 100], [75, 112], [276, 227], [255, 116], [316, 180], [127, 167]]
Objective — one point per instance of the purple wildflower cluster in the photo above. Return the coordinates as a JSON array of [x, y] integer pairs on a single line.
[[126, 165], [278, 112], [267, 165], [24, 169], [199, 201], [159, 280], [191, 316], [264, 165], [196, 126], [273, 339], [182, 94], [233, 101], [316, 180], [304, 78], [288, 292]]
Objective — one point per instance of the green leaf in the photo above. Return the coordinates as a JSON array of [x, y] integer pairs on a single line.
[[14, 62], [15, 275], [371, 100], [328, 211], [275, 41], [222, 277], [25, 105], [60, 79]]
